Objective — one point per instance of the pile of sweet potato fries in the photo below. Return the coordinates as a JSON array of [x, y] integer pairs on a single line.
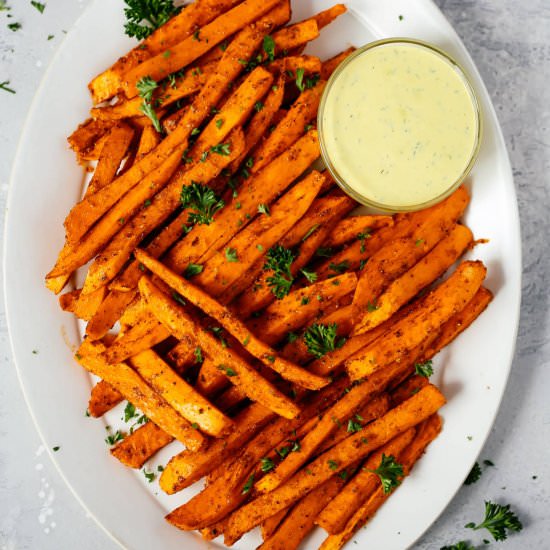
[[231, 297]]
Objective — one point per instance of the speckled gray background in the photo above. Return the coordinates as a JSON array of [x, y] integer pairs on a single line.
[[510, 42]]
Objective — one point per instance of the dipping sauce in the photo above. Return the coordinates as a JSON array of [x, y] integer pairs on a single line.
[[400, 125]]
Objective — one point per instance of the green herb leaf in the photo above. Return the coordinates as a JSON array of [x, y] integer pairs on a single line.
[[264, 209], [231, 255], [389, 473], [291, 337], [228, 371], [39, 6], [198, 355], [144, 16], [499, 519], [129, 412], [332, 464], [300, 79], [320, 339], [311, 276], [221, 149], [56, 448], [462, 545], [424, 369], [248, 484], [149, 476], [193, 269], [201, 199], [219, 123], [339, 268], [310, 232], [474, 475], [354, 426], [5, 86], [269, 47], [111, 439], [279, 259], [266, 464], [14, 26]]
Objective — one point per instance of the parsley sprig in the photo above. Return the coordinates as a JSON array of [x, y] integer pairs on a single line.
[[146, 86], [498, 520], [202, 200], [389, 473], [144, 16], [462, 545], [320, 339], [474, 475], [279, 259]]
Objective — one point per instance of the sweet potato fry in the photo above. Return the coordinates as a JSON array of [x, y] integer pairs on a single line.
[[138, 447], [410, 413], [114, 256], [307, 63], [334, 418], [404, 288], [199, 13], [334, 517], [427, 431], [145, 334], [408, 387], [289, 129], [210, 379], [113, 152], [236, 369], [329, 66], [251, 244], [269, 526], [289, 37], [135, 390], [356, 227], [103, 398], [181, 396], [148, 140], [187, 467], [189, 49], [261, 189], [327, 16], [437, 307], [85, 213], [233, 325], [300, 306], [88, 139], [307, 234], [301, 519], [233, 482]]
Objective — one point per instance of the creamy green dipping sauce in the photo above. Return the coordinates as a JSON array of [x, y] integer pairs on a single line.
[[400, 124]]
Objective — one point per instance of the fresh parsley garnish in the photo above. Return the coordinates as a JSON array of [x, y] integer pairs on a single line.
[[389, 473], [267, 464], [424, 369], [149, 476], [264, 209], [248, 484], [56, 448], [129, 412], [228, 370], [340, 267], [146, 86], [354, 426], [269, 47], [144, 16], [498, 520], [474, 475], [111, 439], [310, 232], [178, 298], [462, 545], [332, 464], [39, 6], [193, 269], [279, 259], [221, 149], [202, 200], [231, 255], [311, 276], [14, 26], [5, 86], [198, 355], [320, 339], [371, 307], [300, 79], [324, 252], [362, 237]]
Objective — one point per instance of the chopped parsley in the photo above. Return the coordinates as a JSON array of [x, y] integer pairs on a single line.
[[248, 485], [202, 200], [111, 439], [332, 464], [56, 448], [362, 237], [228, 370], [193, 269], [264, 209], [311, 276], [198, 355], [310, 232], [14, 26], [267, 464], [231, 255], [499, 519], [38, 5], [353, 426], [221, 149], [219, 123], [258, 106], [474, 475], [324, 252], [462, 545], [146, 86], [178, 298], [340, 267], [269, 47], [424, 369], [149, 476], [371, 307], [320, 339], [129, 412], [389, 473], [279, 259], [5, 86], [144, 16]]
